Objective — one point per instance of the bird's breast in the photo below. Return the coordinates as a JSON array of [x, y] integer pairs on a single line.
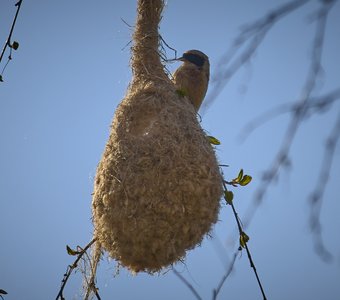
[[193, 82]]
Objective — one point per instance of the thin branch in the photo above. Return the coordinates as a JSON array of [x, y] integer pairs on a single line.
[[163, 54], [224, 76], [242, 233], [190, 287], [298, 115], [245, 46], [316, 105], [8, 41], [70, 269], [220, 250], [225, 276], [127, 24], [168, 46], [315, 199], [90, 285], [255, 271]]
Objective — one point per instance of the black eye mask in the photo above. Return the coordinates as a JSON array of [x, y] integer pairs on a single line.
[[194, 58]]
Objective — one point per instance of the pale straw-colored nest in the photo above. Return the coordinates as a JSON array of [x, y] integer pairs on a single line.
[[158, 185]]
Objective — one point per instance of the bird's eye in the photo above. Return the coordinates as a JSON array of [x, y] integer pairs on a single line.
[[194, 58]]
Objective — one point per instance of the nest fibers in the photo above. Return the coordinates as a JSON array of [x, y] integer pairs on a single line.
[[158, 186]]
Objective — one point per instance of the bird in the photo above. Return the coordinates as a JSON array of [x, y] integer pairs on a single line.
[[192, 77]]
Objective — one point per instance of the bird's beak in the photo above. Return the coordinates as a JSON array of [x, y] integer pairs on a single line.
[[176, 59]]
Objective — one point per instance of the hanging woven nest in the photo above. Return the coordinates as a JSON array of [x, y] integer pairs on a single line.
[[157, 186]]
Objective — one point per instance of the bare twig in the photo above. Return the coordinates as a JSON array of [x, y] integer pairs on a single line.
[[318, 104], [163, 54], [8, 41], [168, 46], [70, 269], [225, 276], [315, 199], [299, 113], [127, 24], [252, 265], [190, 287], [245, 46], [90, 285]]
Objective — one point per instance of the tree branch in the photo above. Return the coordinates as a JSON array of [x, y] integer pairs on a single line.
[[298, 115], [242, 245], [70, 269], [315, 199], [8, 41], [190, 287], [245, 46], [225, 276], [318, 104]]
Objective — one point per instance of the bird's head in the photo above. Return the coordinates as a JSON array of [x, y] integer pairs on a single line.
[[197, 58]]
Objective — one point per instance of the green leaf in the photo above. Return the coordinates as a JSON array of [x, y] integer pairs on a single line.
[[15, 45], [245, 180], [213, 140], [228, 196], [239, 176], [71, 251], [244, 238]]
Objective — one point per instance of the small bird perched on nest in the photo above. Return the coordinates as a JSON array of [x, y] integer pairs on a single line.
[[192, 77]]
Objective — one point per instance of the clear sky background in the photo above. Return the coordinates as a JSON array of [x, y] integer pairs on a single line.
[[56, 105]]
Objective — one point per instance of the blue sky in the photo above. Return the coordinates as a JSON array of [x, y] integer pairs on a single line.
[[57, 102]]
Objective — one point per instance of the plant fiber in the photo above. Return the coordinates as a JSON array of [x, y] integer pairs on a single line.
[[157, 188]]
